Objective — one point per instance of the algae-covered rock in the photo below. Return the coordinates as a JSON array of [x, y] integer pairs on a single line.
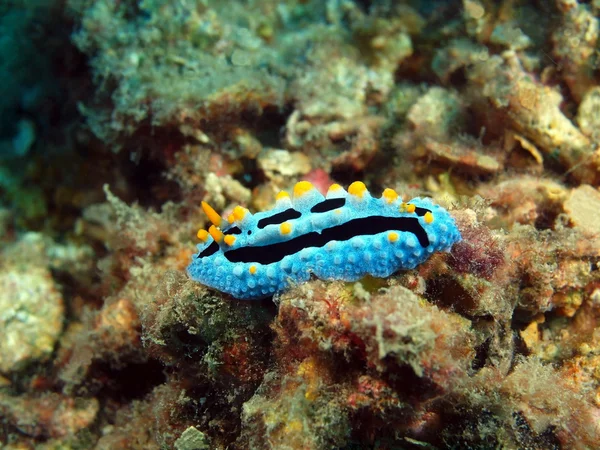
[[49, 414], [583, 207], [437, 113], [588, 114], [31, 316], [192, 439]]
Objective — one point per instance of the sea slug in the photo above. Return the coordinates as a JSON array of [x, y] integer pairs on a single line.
[[343, 236]]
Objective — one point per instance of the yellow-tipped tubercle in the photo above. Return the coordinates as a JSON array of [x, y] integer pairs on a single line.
[[334, 187], [357, 189], [229, 239], [239, 213], [282, 195], [212, 215], [302, 187], [389, 195], [428, 217], [285, 228]]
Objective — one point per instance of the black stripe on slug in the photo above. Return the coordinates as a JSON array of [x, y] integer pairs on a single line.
[[278, 218], [232, 230], [421, 211], [210, 250], [366, 226], [328, 205]]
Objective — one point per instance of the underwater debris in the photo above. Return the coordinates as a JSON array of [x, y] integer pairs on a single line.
[[280, 164], [588, 118], [533, 109], [574, 46], [49, 415]]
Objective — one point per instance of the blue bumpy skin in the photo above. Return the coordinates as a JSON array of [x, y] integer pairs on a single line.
[[343, 236]]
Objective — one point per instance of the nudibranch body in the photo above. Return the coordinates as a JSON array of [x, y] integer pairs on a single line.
[[343, 236]]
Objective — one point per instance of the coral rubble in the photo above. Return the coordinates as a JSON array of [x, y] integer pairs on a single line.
[[119, 117]]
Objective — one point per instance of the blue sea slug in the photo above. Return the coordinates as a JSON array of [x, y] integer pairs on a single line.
[[343, 236]]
